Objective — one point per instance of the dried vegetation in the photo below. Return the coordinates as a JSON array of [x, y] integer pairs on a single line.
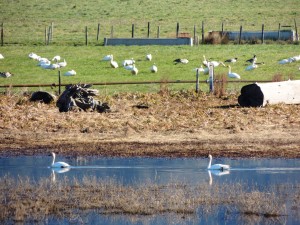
[[26, 200], [169, 124]]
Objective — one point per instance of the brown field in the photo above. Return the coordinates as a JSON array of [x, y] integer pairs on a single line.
[[176, 124]]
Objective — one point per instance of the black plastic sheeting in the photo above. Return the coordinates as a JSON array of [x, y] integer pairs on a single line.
[[251, 96]]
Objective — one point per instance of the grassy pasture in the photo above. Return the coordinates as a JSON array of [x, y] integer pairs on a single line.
[[86, 61], [25, 23]]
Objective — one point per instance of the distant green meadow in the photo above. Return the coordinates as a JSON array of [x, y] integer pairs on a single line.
[[26, 22]]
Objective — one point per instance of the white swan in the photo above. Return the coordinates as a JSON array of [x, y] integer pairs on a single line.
[[56, 58], [58, 164], [251, 67], [233, 75], [70, 73], [216, 166], [149, 57], [113, 63], [134, 70], [153, 68], [128, 62], [62, 64], [107, 58]]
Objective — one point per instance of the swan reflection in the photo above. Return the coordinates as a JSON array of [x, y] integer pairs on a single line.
[[58, 170], [216, 173]]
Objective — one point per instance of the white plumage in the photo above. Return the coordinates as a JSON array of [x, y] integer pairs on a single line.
[[286, 61], [233, 75], [33, 56], [1, 56], [56, 58], [62, 64], [216, 166], [58, 164], [153, 68], [70, 73], [128, 62], [251, 67], [149, 57], [113, 63], [107, 58], [134, 70]]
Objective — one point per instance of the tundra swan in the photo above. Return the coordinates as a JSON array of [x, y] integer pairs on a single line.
[[233, 75], [216, 166], [58, 164], [153, 68]]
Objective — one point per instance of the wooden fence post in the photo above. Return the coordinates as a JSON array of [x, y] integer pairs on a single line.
[[279, 28], [48, 36], [240, 36], [197, 80], [2, 35], [194, 34], [86, 35], [262, 33], [59, 82], [202, 29], [52, 28], [112, 31], [98, 31], [132, 31], [211, 77], [158, 31], [297, 38], [177, 30], [45, 35], [148, 33], [222, 30]]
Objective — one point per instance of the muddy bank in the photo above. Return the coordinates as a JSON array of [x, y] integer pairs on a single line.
[[174, 125]]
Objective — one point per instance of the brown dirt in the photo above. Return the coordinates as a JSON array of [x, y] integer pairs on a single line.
[[180, 124]]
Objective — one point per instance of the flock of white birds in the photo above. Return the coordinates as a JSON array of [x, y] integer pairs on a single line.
[[55, 63], [129, 64], [253, 64]]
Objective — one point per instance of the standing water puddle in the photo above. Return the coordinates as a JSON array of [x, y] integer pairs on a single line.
[[263, 173]]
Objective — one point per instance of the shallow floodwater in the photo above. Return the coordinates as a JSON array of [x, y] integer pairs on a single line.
[[260, 172]]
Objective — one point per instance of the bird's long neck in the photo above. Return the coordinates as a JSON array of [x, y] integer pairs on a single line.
[[209, 164], [53, 158]]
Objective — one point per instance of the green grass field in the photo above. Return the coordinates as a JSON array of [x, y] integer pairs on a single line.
[[25, 23]]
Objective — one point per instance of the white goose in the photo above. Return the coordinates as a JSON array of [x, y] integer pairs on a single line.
[[216, 166], [233, 75], [58, 164]]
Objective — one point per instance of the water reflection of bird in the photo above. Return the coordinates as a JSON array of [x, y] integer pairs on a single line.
[[216, 173], [58, 164], [216, 166], [58, 170]]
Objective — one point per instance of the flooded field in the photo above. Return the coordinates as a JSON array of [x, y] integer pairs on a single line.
[[187, 180]]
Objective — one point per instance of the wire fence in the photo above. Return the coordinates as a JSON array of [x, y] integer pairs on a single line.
[[93, 33]]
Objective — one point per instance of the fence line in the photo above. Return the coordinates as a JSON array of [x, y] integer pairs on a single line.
[[79, 35]]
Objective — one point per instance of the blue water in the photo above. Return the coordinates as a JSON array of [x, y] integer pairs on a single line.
[[262, 173]]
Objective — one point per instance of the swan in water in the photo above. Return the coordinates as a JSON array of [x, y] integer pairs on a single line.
[[216, 166], [58, 164]]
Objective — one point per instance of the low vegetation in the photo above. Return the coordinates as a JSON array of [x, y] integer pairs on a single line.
[[27, 200]]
